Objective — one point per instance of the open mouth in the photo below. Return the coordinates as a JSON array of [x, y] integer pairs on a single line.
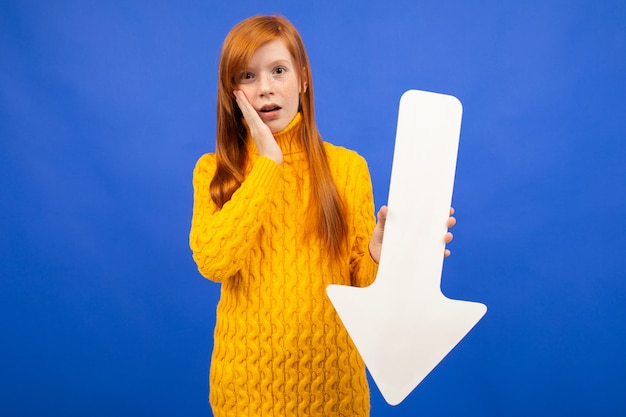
[[270, 108]]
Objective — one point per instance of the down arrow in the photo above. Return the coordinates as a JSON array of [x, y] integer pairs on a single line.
[[402, 324]]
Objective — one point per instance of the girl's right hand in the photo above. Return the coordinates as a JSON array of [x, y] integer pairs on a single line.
[[261, 133]]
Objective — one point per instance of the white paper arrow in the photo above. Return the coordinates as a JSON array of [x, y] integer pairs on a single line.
[[402, 324]]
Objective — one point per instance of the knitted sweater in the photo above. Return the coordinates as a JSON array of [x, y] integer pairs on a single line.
[[279, 347]]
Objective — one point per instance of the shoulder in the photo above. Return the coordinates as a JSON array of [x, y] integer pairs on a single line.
[[343, 156], [347, 166], [206, 161], [207, 158], [205, 167]]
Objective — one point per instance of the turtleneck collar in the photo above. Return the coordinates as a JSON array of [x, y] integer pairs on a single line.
[[287, 138]]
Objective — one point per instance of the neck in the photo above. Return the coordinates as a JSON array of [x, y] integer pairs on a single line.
[[288, 138]]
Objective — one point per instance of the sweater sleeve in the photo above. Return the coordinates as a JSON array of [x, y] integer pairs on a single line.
[[363, 269], [220, 239]]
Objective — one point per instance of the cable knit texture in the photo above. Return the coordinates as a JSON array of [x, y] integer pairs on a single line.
[[279, 347]]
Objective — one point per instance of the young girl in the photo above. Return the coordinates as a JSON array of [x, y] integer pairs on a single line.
[[278, 216]]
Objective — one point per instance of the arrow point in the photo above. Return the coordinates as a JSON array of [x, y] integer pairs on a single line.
[[401, 346]]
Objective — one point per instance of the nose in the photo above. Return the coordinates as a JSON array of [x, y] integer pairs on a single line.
[[265, 86]]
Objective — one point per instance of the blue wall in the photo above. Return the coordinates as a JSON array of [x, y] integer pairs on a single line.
[[105, 107]]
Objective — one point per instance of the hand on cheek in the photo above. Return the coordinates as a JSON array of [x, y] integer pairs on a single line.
[[260, 132]]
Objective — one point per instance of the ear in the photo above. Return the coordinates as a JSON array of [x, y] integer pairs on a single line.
[[303, 84]]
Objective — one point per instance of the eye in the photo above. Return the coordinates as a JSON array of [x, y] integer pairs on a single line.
[[246, 77], [280, 70]]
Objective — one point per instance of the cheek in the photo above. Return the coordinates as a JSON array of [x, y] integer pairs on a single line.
[[293, 93], [246, 89]]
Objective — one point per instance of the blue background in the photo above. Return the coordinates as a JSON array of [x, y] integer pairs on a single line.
[[106, 105]]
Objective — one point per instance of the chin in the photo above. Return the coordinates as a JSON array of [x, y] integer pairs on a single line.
[[277, 126]]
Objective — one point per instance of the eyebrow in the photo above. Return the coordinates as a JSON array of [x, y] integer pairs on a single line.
[[280, 61]]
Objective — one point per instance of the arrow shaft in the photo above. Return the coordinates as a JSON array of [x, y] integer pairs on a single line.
[[420, 191]]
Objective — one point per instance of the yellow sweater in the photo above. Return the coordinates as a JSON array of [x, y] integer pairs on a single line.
[[279, 347]]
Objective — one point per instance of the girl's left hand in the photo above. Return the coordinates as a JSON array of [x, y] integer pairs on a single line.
[[376, 242], [449, 236]]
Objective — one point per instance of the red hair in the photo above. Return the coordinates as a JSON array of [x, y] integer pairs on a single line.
[[326, 209]]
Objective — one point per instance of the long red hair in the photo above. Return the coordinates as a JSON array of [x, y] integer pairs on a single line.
[[326, 209]]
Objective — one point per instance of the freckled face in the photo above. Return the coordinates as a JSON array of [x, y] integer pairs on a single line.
[[272, 84]]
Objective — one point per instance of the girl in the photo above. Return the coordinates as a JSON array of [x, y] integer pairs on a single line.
[[278, 216]]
